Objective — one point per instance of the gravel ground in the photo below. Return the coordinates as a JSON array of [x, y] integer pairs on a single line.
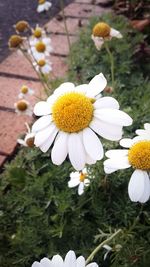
[[13, 10]]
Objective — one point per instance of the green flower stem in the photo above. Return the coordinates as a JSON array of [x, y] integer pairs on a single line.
[[112, 64], [90, 258], [65, 24]]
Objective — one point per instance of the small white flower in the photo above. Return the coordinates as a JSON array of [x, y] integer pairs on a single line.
[[103, 32], [25, 91], [29, 138], [43, 6], [22, 107], [69, 261], [43, 66], [137, 156], [72, 117], [79, 179], [41, 48]]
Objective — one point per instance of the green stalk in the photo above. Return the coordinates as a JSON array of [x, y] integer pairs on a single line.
[[111, 63], [90, 258]]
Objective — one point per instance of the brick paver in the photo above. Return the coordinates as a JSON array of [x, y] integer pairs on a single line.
[[16, 71]]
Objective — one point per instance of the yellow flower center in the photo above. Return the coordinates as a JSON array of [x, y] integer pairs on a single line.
[[40, 47], [41, 2], [139, 155], [21, 26], [82, 176], [72, 112], [15, 41], [24, 89], [30, 142], [37, 32], [101, 29], [22, 105], [41, 62]]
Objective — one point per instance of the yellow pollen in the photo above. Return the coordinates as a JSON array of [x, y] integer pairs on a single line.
[[41, 2], [139, 155], [22, 105], [82, 176], [30, 142], [24, 89], [21, 26], [37, 32], [15, 41], [41, 62], [101, 29], [40, 47], [72, 112]]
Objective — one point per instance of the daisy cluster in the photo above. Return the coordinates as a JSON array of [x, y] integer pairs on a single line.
[[22, 106], [34, 44]]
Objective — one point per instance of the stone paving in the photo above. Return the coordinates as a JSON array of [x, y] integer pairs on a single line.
[[16, 71]]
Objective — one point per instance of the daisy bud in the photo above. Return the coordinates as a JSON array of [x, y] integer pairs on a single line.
[[15, 41], [21, 26]]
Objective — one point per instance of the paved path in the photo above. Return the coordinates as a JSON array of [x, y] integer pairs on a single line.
[[16, 71]]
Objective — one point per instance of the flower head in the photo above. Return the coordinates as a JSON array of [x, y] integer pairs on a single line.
[[43, 66], [40, 48], [21, 26], [79, 179], [72, 117], [15, 41], [101, 32], [43, 6], [136, 156], [29, 138], [24, 91], [23, 107], [69, 261]]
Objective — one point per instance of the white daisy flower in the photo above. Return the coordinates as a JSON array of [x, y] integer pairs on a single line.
[[29, 138], [25, 91], [76, 115], [102, 32], [69, 261], [38, 33], [43, 65], [79, 179], [43, 6], [23, 107], [41, 48], [137, 156]]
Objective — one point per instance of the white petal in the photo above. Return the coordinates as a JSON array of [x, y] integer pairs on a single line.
[[140, 132], [21, 142], [98, 41], [46, 145], [36, 264], [80, 261], [93, 264], [57, 261], [73, 182], [81, 88], [70, 259], [117, 163], [146, 193], [41, 123], [137, 185], [115, 33], [96, 85], [89, 160], [92, 144], [64, 88], [106, 130], [126, 142], [43, 135], [81, 189], [74, 174], [147, 126], [113, 116], [45, 262], [76, 151], [60, 149], [109, 170], [116, 153], [41, 108], [106, 102]]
